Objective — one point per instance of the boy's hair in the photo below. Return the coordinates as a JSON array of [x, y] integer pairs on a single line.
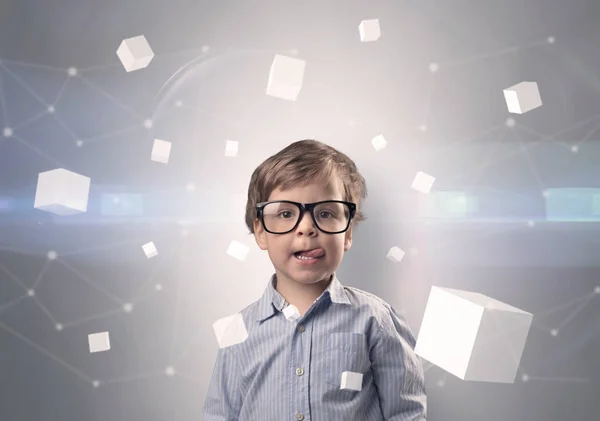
[[299, 164]]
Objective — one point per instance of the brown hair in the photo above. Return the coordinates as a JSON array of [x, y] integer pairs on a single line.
[[299, 164]]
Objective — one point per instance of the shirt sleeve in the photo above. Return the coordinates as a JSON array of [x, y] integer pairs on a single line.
[[223, 400], [397, 370]]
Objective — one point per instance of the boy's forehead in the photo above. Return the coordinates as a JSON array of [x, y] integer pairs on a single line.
[[326, 188]]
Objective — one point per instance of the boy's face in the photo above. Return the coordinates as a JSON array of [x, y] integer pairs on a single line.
[[306, 236]]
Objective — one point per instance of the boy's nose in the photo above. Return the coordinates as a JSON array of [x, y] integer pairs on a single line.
[[306, 224]]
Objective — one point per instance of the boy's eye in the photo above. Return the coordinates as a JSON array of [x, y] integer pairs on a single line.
[[286, 214]]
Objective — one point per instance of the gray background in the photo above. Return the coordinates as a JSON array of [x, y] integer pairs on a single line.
[[352, 91]]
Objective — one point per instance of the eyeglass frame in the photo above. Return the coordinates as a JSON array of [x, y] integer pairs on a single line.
[[310, 207]]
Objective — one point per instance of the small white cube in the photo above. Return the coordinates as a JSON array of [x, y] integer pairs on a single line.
[[238, 250], [472, 336], [150, 250], [291, 313], [423, 182], [99, 342], [161, 151], [285, 77], [369, 30], [135, 53], [522, 97], [62, 192], [395, 254], [351, 381], [231, 148], [379, 142], [230, 330]]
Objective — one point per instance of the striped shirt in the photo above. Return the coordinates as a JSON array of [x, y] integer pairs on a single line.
[[292, 371]]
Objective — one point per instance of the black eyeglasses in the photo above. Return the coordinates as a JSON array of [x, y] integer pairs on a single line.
[[283, 216]]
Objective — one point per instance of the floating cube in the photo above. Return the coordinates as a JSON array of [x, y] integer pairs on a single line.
[[291, 313], [150, 250], [472, 336], [135, 53], [379, 142], [285, 77], [369, 30], [423, 182], [351, 381], [231, 148], [238, 250], [99, 342], [161, 150], [395, 254], [522, 97], [230, 330], [62, 192]]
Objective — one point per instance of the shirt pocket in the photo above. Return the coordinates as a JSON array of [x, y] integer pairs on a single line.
[[345, 352]]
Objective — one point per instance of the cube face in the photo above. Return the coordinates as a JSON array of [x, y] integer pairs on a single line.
[[230, 330], [135, 53], [522, 97], [62, 192], [472, 336], [291, 313], [238, 250], [150, 250], [231, 148], [395, 254], [161, 151], [379, 142], [369, 30], [99, 342], [351, 381], [286, 77], [423, 182]]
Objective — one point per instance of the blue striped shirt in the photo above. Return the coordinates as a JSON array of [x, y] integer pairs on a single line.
[[292, 371]]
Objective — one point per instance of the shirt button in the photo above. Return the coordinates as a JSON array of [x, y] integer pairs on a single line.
[[299, 416], [299, 371], [300, 328]]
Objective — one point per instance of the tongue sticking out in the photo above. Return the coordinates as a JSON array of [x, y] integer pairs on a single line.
[[312, 253]]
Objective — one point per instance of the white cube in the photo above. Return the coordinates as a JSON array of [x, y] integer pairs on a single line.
[[135, 53], [231, 148], [238, 250], [351, 380], [472, 336], [161, 151], [395, 254], [62, 192], [369, 30], [150, 250], [291, 313], [285, 77], [99, 342], [230, 330], [522, 97], [379, 142], [423, 182]]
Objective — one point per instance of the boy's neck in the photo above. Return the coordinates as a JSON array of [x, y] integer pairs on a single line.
[[300, 295]]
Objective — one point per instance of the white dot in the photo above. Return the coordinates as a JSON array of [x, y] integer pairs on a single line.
[[413, 250], [96, 383], [294, 52], [351, 123], [51, 109], [169, 371], [184, 233], [574, 148], [510, 122], [205, 48], [545, 193], [530, 223], [178, 103], [128, 307], [31, 293], [72, 71], [434, 67], [440, 383], [554, 332], [116, 200], [423, 128], [79, 143], [158, 287], [59, 327], [551, 40], [7, 132], [525, 377], [190, 187], [52, 255], [597, 290], [148, 123]]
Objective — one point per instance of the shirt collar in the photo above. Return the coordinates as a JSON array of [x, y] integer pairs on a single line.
[[272, 301]]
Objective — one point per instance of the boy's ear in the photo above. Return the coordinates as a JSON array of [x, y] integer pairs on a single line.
[[260, 235], [348, 239]]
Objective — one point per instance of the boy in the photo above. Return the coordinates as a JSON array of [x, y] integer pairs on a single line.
[[292, 369]]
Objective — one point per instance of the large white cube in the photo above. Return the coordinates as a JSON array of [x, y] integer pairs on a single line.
[[135, 53], [472, 336], [99, 342], [369, 30], [285, 77], [423, 182], [351, 381], [230, 330], [62, 192], [231, 148], [161, 151], [522, 97]]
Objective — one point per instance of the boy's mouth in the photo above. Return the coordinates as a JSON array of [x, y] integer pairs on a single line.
[[309, 255]]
